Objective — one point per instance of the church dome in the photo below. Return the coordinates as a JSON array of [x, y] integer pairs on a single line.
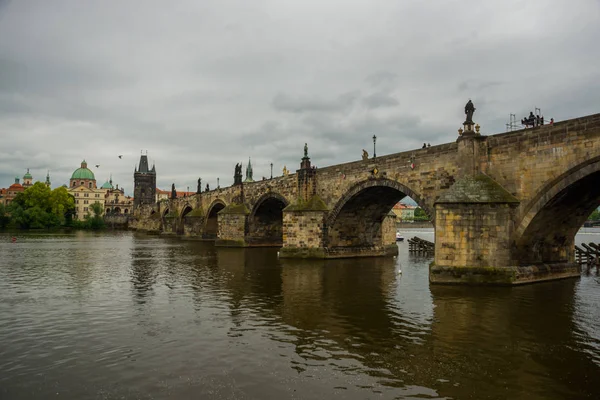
[[16, 185], [27, 175], [83, 173], [106, 185]]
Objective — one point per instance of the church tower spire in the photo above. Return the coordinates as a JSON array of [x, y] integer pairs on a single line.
[[249, 172]]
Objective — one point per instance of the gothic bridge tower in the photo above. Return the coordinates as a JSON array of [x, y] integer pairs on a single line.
[[144, 178]]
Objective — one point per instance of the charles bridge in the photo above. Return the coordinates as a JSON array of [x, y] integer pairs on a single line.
[[505, 207]]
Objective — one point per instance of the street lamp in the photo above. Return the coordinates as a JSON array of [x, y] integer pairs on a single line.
[[217, 183], [374, 141], [188, 191], [271, 170]]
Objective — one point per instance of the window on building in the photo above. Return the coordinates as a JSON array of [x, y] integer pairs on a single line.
[[85, 202], [90, 185], [77, 201], [73, 184], [86, 195], [85, 208]]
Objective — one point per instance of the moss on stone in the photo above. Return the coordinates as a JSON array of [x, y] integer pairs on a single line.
[[302, 252], [314, 204], [198, 212], [235, 208], [155, 216], [477, 189], [230, 243]]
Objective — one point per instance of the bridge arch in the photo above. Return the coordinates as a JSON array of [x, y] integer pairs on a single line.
[[165, 212], [357, 218], [211, 226], [265, 222], [186, 209], [546, 231]]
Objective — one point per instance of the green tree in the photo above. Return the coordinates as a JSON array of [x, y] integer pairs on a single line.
[[421, 215], [62, 204], [40, 207], [594, 216], [96, 221], [4, 216]]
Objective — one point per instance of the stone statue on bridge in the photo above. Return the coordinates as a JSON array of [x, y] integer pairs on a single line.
[[365, 155], [173, 192], [469, 110], [207, 188], [305, 150], [199, 188], [237, 175]]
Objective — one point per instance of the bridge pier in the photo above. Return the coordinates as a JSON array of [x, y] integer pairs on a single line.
[[473, 238], [232, 226], [304, 229]]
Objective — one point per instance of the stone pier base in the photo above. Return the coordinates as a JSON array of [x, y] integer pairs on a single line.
[[338, 252], [501, 276]]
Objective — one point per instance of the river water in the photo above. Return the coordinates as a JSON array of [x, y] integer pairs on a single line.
[[126, 316]]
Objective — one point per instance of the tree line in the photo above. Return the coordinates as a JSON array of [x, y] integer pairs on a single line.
[[39, 207]]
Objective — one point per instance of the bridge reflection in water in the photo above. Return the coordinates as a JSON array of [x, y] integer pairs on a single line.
[[169, 318]]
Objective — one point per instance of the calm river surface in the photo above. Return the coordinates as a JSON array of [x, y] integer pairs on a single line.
[[126, 316]]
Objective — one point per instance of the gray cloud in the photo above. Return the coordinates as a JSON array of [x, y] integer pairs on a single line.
[[203, 85], [377, 100]]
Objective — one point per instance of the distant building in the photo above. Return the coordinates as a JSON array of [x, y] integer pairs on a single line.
[[249, 172], [82, 186], [27, 179], [166, 194], [162, 194], [404, 212], [115, 201], [144, 178], [7, 195]]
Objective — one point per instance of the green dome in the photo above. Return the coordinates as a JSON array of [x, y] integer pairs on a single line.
[[27, 175], [83, 173], [106, 185]]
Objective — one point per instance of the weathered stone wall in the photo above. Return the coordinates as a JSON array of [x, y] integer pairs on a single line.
[[193, 225], [388, 229], [116, 221], [303, 234], [463, 228], [232, 223]]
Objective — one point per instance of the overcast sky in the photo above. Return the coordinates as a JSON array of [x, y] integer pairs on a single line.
[[203, 84]]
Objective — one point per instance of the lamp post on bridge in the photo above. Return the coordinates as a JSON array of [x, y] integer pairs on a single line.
[[271, 170], [374, 141], [218, 187]]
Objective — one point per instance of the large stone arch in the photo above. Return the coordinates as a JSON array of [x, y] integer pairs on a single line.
[[211, 225], [358, 218], [265, 221], [546, 231], [360, 186]]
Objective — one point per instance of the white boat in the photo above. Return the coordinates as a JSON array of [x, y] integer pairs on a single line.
[[399, 237]]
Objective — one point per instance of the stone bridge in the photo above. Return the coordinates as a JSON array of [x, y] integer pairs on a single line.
[[505, 207]]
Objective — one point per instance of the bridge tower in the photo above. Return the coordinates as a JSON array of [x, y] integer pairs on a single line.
[[144, 178]]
